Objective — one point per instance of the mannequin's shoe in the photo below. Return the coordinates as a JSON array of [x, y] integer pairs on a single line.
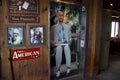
[[58, 74], [68, 71]]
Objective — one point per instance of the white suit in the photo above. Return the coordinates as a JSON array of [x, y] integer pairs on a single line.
[[59, 48]]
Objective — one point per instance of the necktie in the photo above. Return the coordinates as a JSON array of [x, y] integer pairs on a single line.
[[61, 34]]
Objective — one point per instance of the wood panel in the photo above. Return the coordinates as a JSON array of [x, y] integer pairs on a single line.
[[0, 37], [34, 69], [37, 69], [94, 8], [105, 39]]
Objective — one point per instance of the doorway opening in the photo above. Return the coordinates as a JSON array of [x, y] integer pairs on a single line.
[[75, 19]]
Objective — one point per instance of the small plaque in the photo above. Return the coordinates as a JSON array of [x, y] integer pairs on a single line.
[[23, 19]]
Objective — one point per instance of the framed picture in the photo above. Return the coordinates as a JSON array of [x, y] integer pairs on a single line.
[[23, 6], [36, 34], [15, 35]]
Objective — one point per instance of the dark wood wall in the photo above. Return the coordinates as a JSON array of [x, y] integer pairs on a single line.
[[33, 69], [94, 19], [38, 69], [0, 39]]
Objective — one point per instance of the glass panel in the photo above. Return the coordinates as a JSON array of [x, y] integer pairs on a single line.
[[116, 29], [112, 29], [74, 23]]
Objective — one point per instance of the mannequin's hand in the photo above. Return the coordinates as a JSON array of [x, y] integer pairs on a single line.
[[69, 42]]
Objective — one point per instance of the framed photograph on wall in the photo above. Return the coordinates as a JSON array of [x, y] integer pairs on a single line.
[[23, 6], [15, 35], [36, 34]]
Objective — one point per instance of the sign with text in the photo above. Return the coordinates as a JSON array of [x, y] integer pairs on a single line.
[[25, 19], [25, 54]]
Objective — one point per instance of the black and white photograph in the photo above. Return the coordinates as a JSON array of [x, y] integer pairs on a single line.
[[0, 2], [36, 34], [15, 35]]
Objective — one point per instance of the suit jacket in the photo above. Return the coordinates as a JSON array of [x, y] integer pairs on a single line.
[[55, 32]]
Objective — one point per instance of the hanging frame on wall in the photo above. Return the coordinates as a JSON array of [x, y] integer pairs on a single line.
[[23, 6], [36, 35], [15, 35], [23, 11]]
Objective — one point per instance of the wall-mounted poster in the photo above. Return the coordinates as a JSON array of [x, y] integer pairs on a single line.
[[23, 6], [66, 21], [36, 34], [15, 35]]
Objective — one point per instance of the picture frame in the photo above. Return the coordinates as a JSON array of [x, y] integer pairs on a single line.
[[15, 35], [36, 35], [23, 6]]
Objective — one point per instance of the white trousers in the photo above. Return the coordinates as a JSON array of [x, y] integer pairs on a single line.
[[58, 55]]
